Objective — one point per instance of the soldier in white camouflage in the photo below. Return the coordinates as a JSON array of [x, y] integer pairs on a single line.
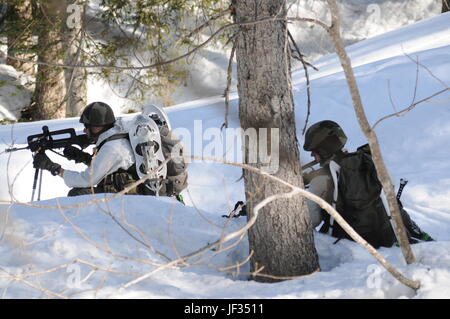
[[326, 140]]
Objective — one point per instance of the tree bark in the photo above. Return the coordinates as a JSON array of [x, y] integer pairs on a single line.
[[76, 78], [48, 100], [445, 6], [282, 237], [21, 16]]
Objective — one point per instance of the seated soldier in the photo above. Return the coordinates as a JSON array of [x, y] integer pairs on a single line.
[[325, 140]]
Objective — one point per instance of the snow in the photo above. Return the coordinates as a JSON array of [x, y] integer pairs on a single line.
[[13, 93], [85, 248]]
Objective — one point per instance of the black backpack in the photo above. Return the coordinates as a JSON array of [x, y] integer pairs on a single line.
[[359, 200]]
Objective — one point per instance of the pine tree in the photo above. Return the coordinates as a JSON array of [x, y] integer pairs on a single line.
[[143, 32], [48, 101], [19, 26]]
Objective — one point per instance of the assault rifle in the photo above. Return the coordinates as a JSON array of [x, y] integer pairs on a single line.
[[50, 140]]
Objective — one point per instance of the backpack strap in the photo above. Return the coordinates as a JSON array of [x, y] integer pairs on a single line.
[[334, 170], [112, 138]]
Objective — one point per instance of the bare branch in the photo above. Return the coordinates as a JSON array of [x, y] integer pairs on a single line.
[[90, 241], [240, 233], [227, 89], [410, 107], [413, 103], [208, 23], [370, 134], [295, 191], [26, 282], [308, 84]]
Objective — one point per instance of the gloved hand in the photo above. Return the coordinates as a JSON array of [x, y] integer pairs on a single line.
[[42, 161], [77, 155]]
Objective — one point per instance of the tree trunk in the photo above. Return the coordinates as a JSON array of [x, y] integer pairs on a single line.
[[21, 41], [49, 96], [282, 238], [76, 78], [445, 6]]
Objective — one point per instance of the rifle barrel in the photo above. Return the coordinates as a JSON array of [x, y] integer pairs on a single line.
[[310, 164], [13, 149]]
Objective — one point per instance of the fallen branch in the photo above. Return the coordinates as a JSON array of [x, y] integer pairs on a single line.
[[295, 191]]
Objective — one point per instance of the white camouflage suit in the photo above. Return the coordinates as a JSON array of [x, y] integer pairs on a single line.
[[112, 156], [319, 183]]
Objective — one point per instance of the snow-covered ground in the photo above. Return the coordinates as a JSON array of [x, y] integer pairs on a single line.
[[120, 248]]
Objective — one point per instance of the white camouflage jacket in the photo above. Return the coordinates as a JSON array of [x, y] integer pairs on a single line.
[[112, 156]]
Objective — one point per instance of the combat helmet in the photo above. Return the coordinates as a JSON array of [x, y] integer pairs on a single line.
[[324, 138], [98, 114]]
